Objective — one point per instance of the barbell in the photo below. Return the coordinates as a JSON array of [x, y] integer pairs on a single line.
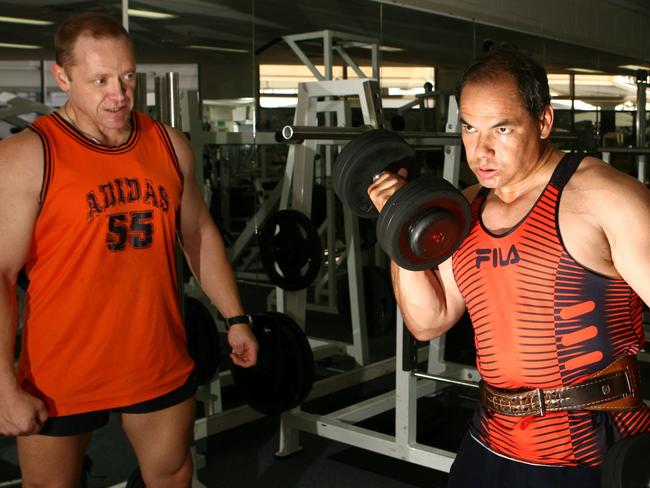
[[421, 224]]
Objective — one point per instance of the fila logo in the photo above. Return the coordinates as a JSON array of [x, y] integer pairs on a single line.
[[496, 256]]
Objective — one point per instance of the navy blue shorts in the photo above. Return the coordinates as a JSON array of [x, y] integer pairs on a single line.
[[82, 423], [478, 467]]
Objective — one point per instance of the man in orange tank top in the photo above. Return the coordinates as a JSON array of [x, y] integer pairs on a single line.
[[94, 196], [552, 274]]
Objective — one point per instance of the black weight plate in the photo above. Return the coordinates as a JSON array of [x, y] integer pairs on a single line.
[[203, 341], [626, 464], [424, 195], [306, 354], [361, 159], [379, 300], [276, 382], [290, 249]]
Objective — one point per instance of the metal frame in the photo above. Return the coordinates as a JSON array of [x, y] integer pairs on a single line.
[[297, 193], [640, 151], [410, 385], [295, 190], [334, 41], [18, 106], [339, 425]]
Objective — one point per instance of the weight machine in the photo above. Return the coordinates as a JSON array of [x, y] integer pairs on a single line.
[[295, 191], [12, 107], [339, 425]]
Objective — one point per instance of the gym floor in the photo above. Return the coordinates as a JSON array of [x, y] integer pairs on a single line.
[[245, 455]]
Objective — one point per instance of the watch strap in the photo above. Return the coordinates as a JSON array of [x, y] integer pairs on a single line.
[[239, 319]]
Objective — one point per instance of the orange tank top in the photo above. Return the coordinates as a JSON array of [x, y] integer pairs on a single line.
[[102, 324], [542, 320]]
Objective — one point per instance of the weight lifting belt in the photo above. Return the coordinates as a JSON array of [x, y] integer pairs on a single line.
[[615, 388]]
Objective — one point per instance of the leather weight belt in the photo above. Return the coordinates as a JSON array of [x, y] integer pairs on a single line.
[[615, 388]]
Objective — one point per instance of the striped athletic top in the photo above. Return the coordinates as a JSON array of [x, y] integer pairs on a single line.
[[541, 320]]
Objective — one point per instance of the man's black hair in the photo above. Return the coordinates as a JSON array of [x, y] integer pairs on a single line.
[[530, 76]]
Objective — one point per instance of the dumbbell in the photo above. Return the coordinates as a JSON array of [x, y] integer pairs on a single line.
[[422, 223]]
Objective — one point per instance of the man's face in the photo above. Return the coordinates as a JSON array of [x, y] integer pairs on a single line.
[[502, 140], [101, 82]]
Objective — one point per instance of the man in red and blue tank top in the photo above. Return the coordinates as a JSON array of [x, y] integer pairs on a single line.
[[553, 274]]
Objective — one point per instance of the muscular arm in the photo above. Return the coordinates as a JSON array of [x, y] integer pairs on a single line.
[[624, 214], [21, 175], [206, 255], [429, 300]]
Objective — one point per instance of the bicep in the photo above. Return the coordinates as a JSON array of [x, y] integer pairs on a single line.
[[454, 301], [626, 224], [21, 173], [194, 213]]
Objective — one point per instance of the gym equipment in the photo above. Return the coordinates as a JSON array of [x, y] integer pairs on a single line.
[[626, 463], [423, 223], [365, 156], [284, 373], [203, 341], [135, 479], [379, 297], [290, 249]]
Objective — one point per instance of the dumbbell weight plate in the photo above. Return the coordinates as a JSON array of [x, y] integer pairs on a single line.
[[423, 223], [304, 353], [284, 372], [203, 342], [290, 249], [361, 159]]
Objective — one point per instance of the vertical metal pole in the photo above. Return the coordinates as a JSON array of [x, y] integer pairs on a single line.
[[43, 83], [406, 398], [327, 54], [140, 99], [376, 61], [125, 14], [167, 99], [572, 92], [641, 85], [451, 168]]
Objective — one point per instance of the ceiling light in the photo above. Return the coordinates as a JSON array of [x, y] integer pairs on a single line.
[[585, 70], [215, 48], [391, 49], [149, 14], [634, 67], [19, 46], [19, 20]]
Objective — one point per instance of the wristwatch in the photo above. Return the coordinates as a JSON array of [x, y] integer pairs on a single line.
[[239, 319]]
